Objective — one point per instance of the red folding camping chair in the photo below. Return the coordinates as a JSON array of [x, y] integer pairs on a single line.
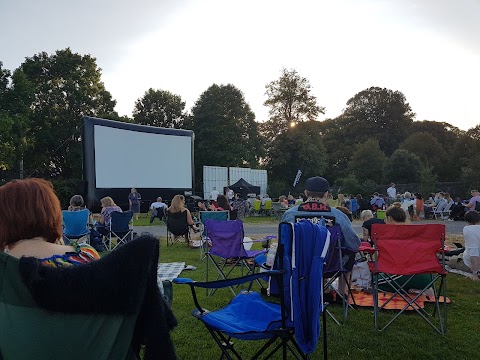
[[401, 252]]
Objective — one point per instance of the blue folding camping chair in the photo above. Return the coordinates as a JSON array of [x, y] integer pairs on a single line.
[[75, 225], [293, 325], [121, 227]]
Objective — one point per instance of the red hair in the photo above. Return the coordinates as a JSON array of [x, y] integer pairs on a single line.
[[29, 208]]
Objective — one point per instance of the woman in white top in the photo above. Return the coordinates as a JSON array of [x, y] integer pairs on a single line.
[[471, 257]]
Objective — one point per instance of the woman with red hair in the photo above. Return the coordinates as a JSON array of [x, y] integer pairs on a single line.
[[31, 225]]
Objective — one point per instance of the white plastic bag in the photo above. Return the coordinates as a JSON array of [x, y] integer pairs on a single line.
[[361, 276]]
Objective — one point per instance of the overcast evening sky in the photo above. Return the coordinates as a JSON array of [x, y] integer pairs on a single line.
[[427, 49]]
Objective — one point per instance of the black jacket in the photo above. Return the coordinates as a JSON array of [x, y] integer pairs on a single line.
[[122, 282]]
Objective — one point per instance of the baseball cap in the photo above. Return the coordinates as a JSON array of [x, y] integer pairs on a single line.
[[317, 184]]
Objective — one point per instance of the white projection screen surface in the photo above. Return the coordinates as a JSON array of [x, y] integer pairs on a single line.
[[126, 159]]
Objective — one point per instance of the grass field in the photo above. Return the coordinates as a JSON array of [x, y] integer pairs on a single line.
[[408, 338], [144, 220]]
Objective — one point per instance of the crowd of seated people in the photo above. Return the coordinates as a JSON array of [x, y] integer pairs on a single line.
[[222, 204], [288, 201], [40, 235], [413, 204]]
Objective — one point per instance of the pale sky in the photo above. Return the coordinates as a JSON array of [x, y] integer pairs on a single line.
[[427, 49]]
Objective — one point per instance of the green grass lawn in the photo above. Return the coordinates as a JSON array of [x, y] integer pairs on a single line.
[[144, 220], [408, 338]]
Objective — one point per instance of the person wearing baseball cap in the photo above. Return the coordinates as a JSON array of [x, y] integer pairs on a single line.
[[316, 207]]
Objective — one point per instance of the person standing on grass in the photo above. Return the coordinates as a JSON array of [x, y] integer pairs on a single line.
[[469, 261], [230, 195], [214, 194], [392, 192], [134, 202]]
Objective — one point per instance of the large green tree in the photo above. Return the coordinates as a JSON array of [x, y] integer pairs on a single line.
[[443, 132], [367, 161], [290, 101], [429, 150], [16, 94], [339, 148], [453, 144], [159, 108], [5, 75], [6, 151], [470, 170], [226, 133], [378, 113], [301, 148], [470, 173], [474, 133], [67, 86], [402, 167]]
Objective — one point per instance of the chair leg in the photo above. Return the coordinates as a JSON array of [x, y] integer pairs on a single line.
[[221, 275], [225, 345], [411, 302], [325, 347], [442, 315], [375, 301]]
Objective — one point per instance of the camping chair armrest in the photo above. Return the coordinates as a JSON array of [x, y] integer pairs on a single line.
[[347, 251], [366, 247], [266, 241], [226, 283], [221, 284], [258, 241]]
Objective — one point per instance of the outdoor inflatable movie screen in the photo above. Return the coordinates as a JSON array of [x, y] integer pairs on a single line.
[[119, 156]]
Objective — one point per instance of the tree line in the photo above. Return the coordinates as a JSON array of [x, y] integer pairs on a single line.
[[375, 140]]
